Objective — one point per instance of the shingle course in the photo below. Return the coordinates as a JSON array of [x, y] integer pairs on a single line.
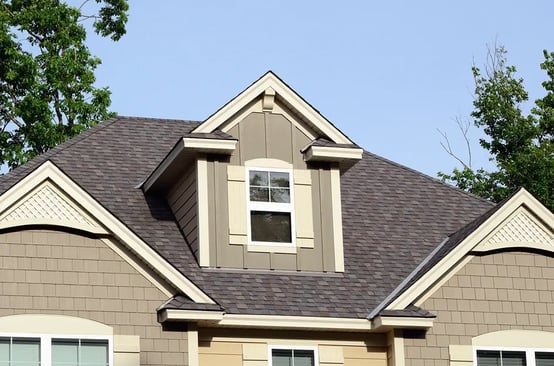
[[393, 217]]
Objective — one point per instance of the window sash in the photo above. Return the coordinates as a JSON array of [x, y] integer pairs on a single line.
[[267, 206], [508, 356], [46, 344], [296, 354]]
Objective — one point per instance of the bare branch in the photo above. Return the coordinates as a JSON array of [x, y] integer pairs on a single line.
[[464, 126], [83, 4]]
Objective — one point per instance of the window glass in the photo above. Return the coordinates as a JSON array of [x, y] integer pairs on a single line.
[[271, 226], [513, 358], [94, 353], [281, 357], [294, 357], [65, 352], [19, 352], [4, 351], [269, 186], [303, 358], [544, 358], [501, 358]]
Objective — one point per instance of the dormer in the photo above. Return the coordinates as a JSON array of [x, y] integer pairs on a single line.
[[257, 184]]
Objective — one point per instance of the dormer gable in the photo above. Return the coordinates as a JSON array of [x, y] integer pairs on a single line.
[[257, 185]]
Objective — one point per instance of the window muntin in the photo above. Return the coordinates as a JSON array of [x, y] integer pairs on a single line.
[[509, 356], [54, 350], [292, 356], [270, 202]]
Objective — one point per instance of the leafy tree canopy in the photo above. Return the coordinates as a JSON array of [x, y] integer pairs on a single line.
[[47, 72], [521, 144]]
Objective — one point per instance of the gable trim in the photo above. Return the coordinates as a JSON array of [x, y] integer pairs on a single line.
[[266, 82], [452, 261], [49, 171]]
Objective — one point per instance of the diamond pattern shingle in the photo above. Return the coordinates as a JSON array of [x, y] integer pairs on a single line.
[[393, 217]]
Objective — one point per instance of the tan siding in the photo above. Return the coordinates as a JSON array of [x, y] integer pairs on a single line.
[[250, 347], [278, 137], [54, 272], [182, 199], [509, 290], [267, 135]]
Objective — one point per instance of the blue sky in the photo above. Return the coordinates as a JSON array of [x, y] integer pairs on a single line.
[[387, 73]]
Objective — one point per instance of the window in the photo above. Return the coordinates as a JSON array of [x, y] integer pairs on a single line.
[[270, 214], [514, 357], [293, 356], [53, 351]]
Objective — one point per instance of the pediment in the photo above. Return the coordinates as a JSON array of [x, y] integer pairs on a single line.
[[522, 229], [270, 93], [48, 205]]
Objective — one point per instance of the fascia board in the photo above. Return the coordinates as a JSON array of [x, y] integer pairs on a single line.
[[50, 171], [214, 146], [210, 145], [269, 80], [389, 322], [448, 263], [328, 153], [267, 321], [163, 166]]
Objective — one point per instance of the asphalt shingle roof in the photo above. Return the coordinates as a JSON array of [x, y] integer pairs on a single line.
[[392, 218]]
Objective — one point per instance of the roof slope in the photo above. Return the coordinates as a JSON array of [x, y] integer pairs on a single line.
[[393, 217]]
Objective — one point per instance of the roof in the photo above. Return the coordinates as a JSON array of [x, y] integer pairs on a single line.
[[393, 217]]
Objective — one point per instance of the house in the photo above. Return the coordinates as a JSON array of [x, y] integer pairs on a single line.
[[262, 236]]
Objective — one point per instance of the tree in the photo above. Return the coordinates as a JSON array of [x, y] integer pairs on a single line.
[[521, 144], [47, 91]]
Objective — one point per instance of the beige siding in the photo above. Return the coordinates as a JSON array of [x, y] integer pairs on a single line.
[[182, 199], [267, 135], [251, 348], [500, 291], [54, 272]]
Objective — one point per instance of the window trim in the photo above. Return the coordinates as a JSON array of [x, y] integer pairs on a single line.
[[270, 207], [271, 347], [529, 352], [46, 343]]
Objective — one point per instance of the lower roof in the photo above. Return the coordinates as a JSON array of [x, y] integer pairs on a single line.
[[392, 218]]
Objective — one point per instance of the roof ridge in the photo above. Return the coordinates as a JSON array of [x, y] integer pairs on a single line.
[[157, 119], [428, 177]]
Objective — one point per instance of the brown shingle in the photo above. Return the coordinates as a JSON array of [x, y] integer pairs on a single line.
[[393, 217]]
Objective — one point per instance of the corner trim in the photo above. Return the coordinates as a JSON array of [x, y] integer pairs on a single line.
[[203, 215]]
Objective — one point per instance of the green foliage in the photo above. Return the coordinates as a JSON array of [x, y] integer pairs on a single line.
[[47, 91], [522, 145]]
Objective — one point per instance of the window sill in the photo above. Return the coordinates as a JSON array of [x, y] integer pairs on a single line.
[[271, 248]]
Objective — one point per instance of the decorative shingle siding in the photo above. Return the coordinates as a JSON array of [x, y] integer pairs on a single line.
[[54, 272], [509, 290]]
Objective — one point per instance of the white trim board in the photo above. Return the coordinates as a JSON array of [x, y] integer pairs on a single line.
[[522, 201], [48, 171], [270, 81]]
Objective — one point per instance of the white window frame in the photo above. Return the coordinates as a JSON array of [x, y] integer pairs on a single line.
[[270, 207], [529, 352], [271, 347], [46, 343]]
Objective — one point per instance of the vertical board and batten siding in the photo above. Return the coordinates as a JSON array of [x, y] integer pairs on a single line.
[[251, 348], [268, 135], [56, 272], [493, 292], [182, 199]]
